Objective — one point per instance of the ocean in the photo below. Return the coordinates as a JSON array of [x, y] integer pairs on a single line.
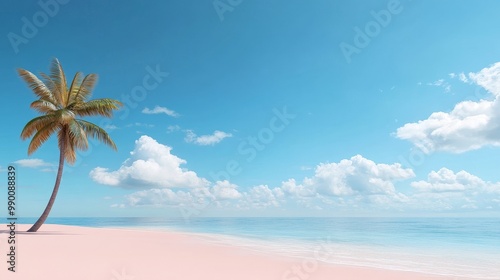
[[465, 247]]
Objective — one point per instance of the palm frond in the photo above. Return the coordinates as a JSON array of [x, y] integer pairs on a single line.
[[41, 136], [65, 116], [43, 106], [37, 124], [36, 85], [97, 107], [54, 88], [75, 87], [97, 132], [78, 137], [57, 75], [86, 88], [60, 106], [70, 153]]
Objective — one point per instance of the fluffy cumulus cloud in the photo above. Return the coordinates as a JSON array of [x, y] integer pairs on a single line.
[[470, 125], [151, 165], [168, 197], [221, 193], [488, 78], [290, 187], [448, 190], [354, 176], [353, 179], [261, 197], [350, 184], [445, 180], [225, 190], [205, 140]]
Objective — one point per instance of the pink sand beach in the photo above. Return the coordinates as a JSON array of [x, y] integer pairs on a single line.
[[79, 253]]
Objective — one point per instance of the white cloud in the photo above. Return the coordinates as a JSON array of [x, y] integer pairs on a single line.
[[173, 128], [448, 190], [33, 163], [110, 127], [488, 78], [441, 83], [357, 175], [463, 78], [203, 197], [355, 183], [445, 180], [470, 125], [151, 165], [140, 124], [355, 179], [290, 187], [167, 197], [261, 197], [437, 83], [206, 140], [160, 110], [349, 183], [225, 190]]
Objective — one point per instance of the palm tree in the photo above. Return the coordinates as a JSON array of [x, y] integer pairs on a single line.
[[60, 105]]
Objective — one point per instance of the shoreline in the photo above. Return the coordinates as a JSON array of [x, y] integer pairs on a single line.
[[144, 253], [281, 249]]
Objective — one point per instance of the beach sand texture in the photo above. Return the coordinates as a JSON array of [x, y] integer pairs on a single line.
[[80, 253]]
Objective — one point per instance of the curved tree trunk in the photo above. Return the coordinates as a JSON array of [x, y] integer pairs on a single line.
[[52, 199]]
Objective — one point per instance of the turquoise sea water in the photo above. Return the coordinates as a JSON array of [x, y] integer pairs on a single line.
[[466, 247]]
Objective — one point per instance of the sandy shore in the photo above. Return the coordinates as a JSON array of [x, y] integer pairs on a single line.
[[68, 252]]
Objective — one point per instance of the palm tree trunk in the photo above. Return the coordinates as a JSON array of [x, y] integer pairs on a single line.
[[52, 199]]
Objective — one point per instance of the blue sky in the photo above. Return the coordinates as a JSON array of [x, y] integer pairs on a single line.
[[252, 108]]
